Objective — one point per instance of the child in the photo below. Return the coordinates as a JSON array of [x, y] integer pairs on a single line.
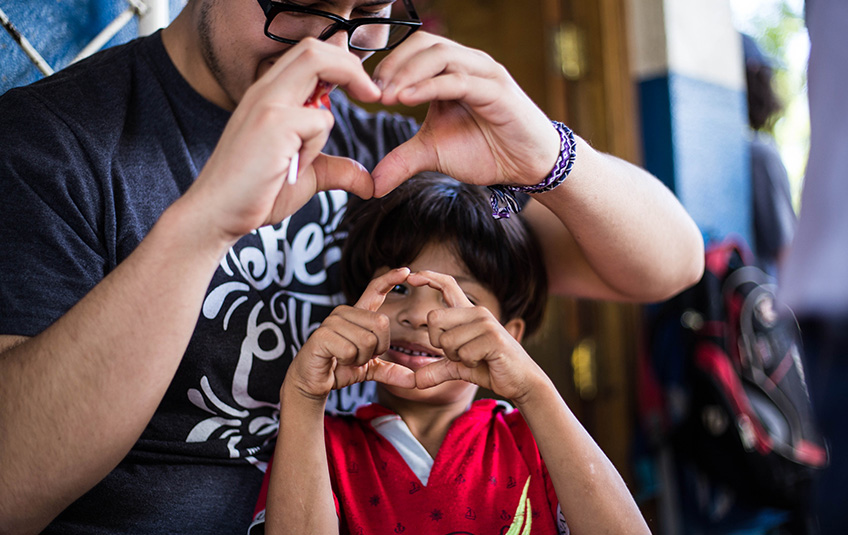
[[427, 458]]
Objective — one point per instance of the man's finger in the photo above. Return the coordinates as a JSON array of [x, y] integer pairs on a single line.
[[401, 163], [374, 295], [296, 73], [336, 172]]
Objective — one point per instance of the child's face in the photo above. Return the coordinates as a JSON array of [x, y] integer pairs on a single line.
[[407, 307]]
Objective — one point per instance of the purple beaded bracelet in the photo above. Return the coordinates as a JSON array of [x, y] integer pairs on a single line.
[[505, 195]]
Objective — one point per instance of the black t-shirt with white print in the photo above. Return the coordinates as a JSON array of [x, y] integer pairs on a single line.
[[90, 158]]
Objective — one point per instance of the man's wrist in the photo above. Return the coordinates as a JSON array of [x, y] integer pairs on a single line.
[[503, 195], [185, 219]]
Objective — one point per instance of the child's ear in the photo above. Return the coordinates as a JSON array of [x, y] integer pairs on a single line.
[[515, 327]]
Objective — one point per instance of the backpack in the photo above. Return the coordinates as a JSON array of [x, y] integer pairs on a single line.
[[727, 359]]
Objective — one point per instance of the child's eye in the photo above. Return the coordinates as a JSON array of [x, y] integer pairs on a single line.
[[400, 289], [471, 298]]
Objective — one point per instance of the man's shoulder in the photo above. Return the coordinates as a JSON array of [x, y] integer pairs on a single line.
[[89, 88]]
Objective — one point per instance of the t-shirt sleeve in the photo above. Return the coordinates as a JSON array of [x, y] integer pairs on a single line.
[[50, 253]]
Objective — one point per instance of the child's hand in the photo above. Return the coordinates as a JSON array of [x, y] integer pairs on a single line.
[[343, 350], [478, 348]]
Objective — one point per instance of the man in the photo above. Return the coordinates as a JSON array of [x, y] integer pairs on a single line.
[[774, 217], [158, 269]]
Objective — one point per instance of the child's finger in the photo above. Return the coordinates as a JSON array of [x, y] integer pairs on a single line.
[[391, 374], [453, 294], [349, 347], [368, 331], [450, 328], [439, 372], [374, 295], [476, 319]]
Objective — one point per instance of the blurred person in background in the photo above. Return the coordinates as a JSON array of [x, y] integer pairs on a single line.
[[813, 281], [774, 217]]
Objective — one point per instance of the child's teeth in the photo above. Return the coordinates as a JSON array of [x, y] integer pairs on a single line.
[[411, 353]]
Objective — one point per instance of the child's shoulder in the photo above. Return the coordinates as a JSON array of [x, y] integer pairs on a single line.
[[499, 413]]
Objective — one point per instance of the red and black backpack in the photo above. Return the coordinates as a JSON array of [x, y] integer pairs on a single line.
[[726, 361]]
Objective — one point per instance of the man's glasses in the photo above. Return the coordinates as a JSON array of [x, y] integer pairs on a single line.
[[289, 23]]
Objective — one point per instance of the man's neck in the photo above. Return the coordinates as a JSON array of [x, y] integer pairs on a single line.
[[182, 44]]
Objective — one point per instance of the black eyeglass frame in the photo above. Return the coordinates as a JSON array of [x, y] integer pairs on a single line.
[[272, 8]]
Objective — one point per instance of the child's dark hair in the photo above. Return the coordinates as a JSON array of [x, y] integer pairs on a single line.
[[503, 255]]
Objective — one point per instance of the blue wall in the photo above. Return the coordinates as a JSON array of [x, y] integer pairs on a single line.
[[58, 29], [694, 141]]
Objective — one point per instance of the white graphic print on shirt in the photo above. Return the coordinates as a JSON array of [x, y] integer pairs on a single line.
[[270, 294]]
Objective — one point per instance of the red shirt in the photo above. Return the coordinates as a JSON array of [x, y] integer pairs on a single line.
[[487, 478]]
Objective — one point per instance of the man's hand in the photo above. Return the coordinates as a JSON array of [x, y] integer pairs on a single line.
[[481, 128], [243, 185]]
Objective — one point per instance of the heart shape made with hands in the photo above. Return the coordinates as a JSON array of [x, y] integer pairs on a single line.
[[480, 127], [449, 134], [404, 161], [434, 373]]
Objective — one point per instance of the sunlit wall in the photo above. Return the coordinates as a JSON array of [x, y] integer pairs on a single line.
[[688, 63]]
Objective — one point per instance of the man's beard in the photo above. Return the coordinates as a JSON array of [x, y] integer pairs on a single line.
[[204, 30]]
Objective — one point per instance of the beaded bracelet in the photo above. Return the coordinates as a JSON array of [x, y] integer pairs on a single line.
[[505, 195]]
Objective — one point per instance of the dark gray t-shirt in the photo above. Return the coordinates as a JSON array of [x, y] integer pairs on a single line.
[[774, 217], [90, 158]]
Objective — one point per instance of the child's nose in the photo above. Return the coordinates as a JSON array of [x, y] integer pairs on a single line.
[[418, 307]]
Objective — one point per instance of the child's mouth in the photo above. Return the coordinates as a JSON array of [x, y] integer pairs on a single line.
[[412, 353], [412, 357]]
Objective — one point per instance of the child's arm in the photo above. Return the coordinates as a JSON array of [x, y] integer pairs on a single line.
[[339, 353], [300, 498], [591, 493]]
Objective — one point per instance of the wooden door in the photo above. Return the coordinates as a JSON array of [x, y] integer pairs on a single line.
[[588, 348]]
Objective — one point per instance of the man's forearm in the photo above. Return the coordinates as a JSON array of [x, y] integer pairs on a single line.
[[74, 399], [625, 236]]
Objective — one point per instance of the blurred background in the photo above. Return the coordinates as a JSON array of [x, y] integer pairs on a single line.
[[778, 27], [660, 83]]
